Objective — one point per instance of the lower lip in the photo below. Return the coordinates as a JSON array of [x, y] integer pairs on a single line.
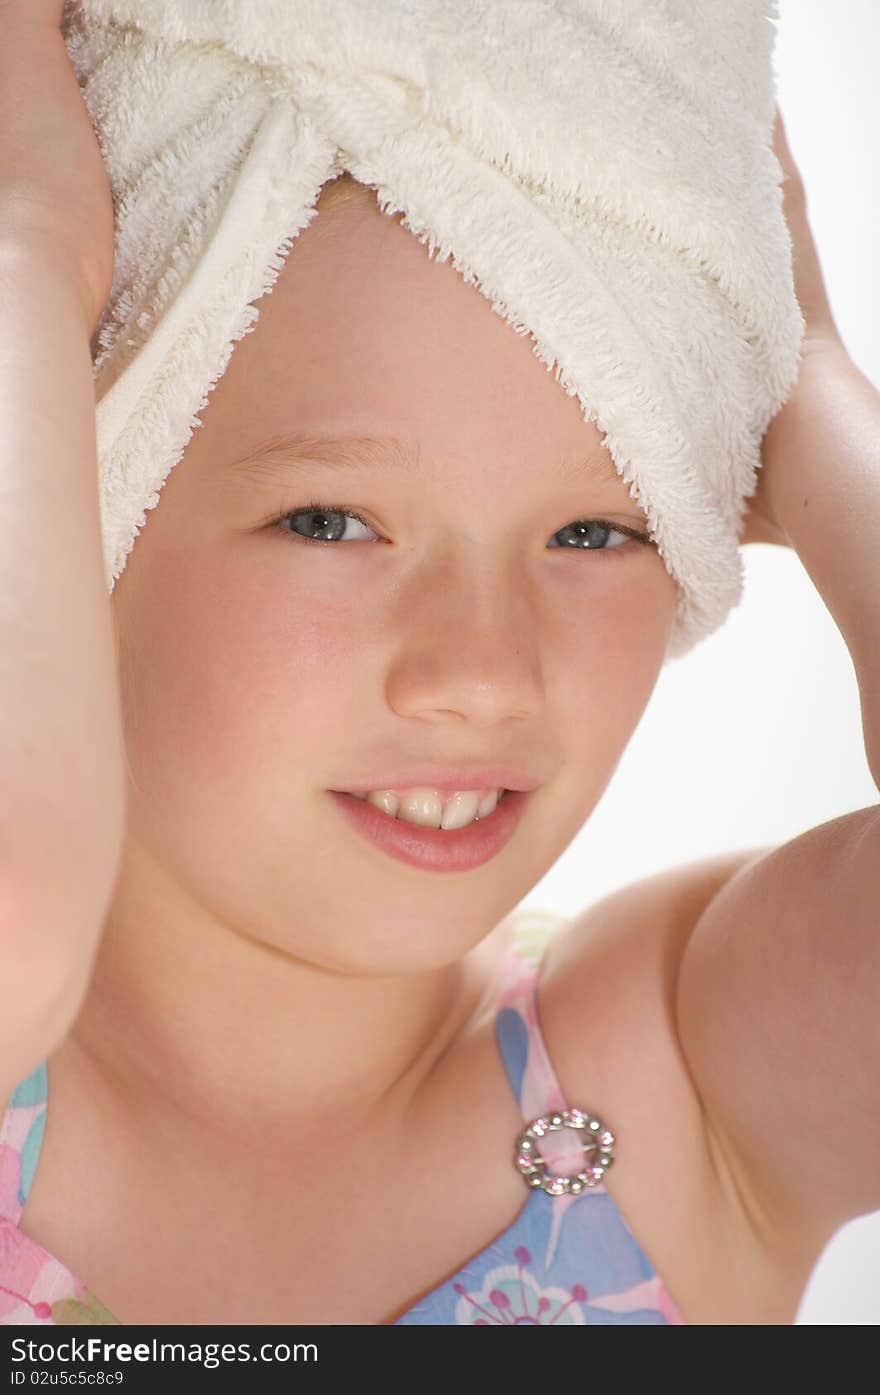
[[437, 849]]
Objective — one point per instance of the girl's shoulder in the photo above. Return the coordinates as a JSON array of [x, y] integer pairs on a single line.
[[607, 1005]]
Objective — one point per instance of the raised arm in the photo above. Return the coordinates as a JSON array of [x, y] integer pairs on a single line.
[[777, 1002], [61, 744]]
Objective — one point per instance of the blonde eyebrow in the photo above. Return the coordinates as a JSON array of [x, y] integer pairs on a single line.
[[292, 449], [289, 450]]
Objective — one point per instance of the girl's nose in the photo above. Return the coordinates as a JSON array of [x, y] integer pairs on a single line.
[[469, 647]]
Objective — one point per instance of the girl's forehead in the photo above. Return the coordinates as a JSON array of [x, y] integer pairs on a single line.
[[364, 333]]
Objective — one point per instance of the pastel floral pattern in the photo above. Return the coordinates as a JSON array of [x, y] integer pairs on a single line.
[[511, 1296]]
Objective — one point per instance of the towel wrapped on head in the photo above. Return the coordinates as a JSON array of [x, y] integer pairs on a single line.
[[601, 170]]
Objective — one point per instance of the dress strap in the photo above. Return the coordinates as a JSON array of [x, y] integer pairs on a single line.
[[521, 1041], [21, 1137]]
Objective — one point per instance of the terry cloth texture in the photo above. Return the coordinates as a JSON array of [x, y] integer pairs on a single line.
[[601, 170]]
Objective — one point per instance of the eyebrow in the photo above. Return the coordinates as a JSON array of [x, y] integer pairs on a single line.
[[279, 455], [292, 449]]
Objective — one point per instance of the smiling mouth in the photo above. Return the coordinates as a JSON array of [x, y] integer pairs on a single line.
[[431, 808], [430, 847]]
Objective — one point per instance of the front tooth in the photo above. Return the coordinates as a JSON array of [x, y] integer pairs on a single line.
[[421, 806], [488, 803], [385, 800], [460, 809]]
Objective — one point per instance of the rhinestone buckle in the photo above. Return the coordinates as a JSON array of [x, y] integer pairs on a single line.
[[597, 1144]]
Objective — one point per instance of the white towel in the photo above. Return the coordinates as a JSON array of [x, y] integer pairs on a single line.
[[601, 170]]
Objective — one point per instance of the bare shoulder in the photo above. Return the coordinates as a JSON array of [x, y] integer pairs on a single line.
[[607, 1001]]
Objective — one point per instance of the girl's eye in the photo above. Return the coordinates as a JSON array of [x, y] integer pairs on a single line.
[[319, 523], [590, 534]]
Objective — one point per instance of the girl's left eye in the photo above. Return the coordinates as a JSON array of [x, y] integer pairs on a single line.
[[324, 524]]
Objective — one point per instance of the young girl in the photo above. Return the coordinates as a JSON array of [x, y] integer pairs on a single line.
[[277, 1048]]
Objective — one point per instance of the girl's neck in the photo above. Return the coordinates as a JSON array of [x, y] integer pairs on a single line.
[[206, 1039]]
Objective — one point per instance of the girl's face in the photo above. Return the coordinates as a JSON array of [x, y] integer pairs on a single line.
[[457, 625]]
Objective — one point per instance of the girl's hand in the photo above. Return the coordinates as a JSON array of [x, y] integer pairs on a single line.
[[55, 198], [821, 339]]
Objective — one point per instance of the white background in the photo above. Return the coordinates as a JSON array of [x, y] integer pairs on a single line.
[[756, 735]]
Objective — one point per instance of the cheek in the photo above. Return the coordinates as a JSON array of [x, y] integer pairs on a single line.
[[637, 630], [610, 650], [228, 681]]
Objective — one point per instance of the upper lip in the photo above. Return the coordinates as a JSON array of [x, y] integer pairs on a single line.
[[433, 777]]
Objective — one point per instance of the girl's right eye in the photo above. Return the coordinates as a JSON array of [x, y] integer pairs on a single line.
[[321, 524]]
